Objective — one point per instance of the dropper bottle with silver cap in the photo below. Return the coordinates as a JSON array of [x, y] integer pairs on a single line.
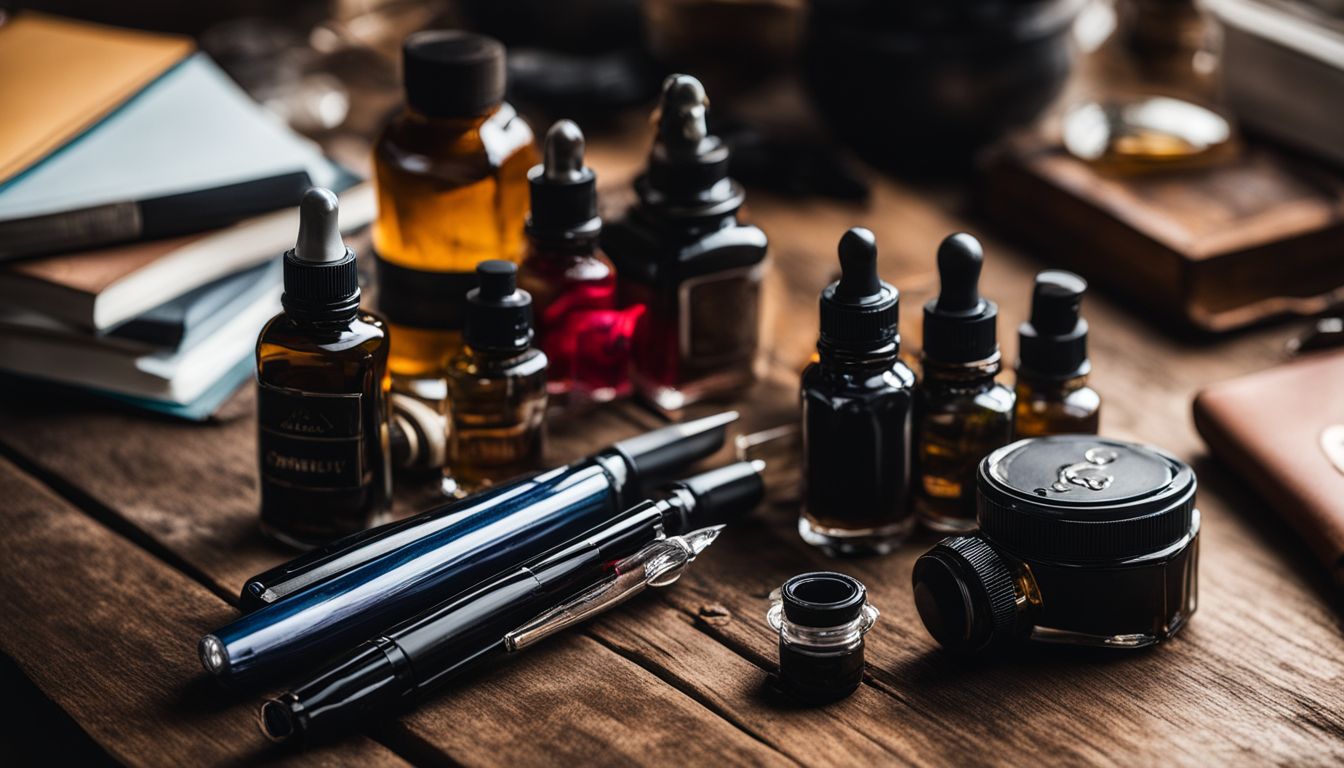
[[322, 393]]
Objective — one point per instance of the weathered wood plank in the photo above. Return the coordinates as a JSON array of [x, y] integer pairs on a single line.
[[99, 626]]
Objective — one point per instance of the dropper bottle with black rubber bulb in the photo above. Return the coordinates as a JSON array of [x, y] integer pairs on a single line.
[[322, 393], [496, 386], [1053, 397], [573, 284], [961, 412], [683, 255], [858, 414]]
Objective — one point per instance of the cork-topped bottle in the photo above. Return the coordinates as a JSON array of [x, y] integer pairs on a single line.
[[322, 393], [451, 176]]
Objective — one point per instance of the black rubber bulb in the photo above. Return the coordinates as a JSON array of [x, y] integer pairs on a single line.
[[959, 260], [499, 279], [563, 159], [1056, 301], [858, 266]]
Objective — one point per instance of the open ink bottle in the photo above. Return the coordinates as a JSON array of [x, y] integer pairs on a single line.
[[858, 406], [1053, 397], [821, 618], [1083, 541], [682, 254], [962, 413]]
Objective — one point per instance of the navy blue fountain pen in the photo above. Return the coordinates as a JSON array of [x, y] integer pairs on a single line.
[[498, 618], [618, 476], [311, 625]]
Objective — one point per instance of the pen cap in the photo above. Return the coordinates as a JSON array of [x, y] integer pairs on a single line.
[[959, 325], [1053, 343], [564, 190], [657, 456], [717, 496]]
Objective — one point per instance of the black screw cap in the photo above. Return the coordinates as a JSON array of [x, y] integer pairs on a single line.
[[959, 325], [965, 595], [320, 275], [450, 73], [564, 190], [859, 312], [1053, 343], [499, 315]]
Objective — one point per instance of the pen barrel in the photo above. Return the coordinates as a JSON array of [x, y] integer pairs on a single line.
[[367, 681]]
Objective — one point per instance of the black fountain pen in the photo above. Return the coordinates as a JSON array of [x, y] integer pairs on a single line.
[[502, 616]]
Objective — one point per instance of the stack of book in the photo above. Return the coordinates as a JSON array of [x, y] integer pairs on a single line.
[[145, 201]]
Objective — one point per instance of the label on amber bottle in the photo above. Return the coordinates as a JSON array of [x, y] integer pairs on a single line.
[[309, 440]]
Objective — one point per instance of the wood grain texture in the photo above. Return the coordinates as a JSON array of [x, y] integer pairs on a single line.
[[97, 624], [1258, 676]]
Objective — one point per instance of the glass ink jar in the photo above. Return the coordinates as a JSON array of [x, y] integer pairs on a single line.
[[1083, 541], [821, 618]]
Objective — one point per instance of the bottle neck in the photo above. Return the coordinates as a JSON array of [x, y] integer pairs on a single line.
[[326, 319], [467, 129], [842, 360], [496, 358], [961, 375], [1049, 387], [546, 246]]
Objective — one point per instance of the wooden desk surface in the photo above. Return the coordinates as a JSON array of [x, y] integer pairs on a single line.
[[126, 537]]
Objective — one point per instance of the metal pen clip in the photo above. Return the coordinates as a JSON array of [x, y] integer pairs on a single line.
[[657, 564]]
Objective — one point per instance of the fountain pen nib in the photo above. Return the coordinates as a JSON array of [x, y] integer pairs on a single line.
[[698, 540]]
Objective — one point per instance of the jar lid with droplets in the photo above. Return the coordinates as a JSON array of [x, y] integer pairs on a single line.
[[1084, 498]]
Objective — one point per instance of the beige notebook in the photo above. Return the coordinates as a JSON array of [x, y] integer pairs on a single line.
[[58, 77]]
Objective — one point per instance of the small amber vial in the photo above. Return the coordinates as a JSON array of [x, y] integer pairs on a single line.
[[496, 387], [322, 394], [961, 412], [1053, 397], [451, 177]]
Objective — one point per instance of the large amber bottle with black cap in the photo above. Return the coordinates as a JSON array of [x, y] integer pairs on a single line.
[[451, 174], [858, 414], [962, 412]]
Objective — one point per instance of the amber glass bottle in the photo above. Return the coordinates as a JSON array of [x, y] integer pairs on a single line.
[[572, 283], [322, 388], [683, 255], [1053, 397], [496, 387], [451, 174], [962, 413]]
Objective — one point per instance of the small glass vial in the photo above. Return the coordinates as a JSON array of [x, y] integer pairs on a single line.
[[682, 254], [1083, 541], [496, 387], [322, 389], [1053, 397], [821, 619], [573, 285], [858, 414], [962, 413], [451, 177]]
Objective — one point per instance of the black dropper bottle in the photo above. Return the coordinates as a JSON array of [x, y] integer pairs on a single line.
[[496, 386], [858, 405], [322, 408], [682, 249], [962, 412], [1053, 397]]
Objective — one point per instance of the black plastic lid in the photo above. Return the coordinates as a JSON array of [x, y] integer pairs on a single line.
[[823, 599], [721, 495], [499, 315], [660, 454], [965, 595], [959, 325], [1078, 498], [859, 312], [1053, 343], [564, 190], [451, 73], [320, 274], [688, 167]]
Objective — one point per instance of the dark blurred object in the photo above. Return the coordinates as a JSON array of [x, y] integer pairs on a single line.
[[1325, 333], [921, 85], [795, 166], [1161, 29], [1213, 249], [1282, 70], [1146, 133], [731, 45], [580, 59]]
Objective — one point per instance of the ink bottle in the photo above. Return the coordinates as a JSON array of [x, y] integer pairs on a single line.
[[821, 619], [1082, 541], [682, 253], [573, 285], [858, 414], [961, 412], [496, 386], [322, 393], [1053, 397], [451, 176]]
